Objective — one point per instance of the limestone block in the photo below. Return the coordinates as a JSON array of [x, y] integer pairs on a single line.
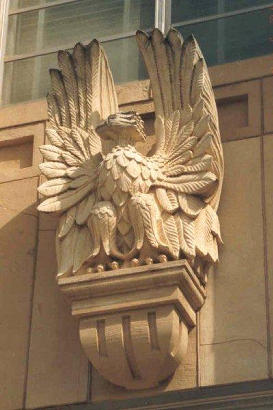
[[18, 233], [239, 109], [233, 320], [20, 155], [268, 171], [241, 70], [185, 377], [58, 369], [268, 104], [24, 113]]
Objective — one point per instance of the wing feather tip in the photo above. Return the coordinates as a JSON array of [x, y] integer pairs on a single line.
[[142, 38], [174, 37], [94, 44]]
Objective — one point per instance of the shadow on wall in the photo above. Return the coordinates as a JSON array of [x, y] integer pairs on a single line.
[[37, 332], [18, 239]]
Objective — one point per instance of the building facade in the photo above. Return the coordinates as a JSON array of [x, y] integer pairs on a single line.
[[229, 361]]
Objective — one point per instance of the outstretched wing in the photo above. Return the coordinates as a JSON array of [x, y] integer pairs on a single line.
[[188, 149], [184, 105], [82, 94]]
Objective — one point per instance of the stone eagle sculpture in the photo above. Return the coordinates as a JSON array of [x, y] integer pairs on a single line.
[[119, 207]]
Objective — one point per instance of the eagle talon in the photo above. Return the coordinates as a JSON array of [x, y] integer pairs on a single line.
[[100, 268], [135, 262], [162, 258], [114, 265], [149, 261]]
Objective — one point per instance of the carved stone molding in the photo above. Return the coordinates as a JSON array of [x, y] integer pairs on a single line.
[[134, 323]]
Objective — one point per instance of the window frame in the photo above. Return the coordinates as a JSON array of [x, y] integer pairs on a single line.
[[4, 7]]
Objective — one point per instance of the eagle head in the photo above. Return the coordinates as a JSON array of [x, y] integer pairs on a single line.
[[127, 127]]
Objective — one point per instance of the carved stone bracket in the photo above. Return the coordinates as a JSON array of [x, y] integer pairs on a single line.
[[134, 322]]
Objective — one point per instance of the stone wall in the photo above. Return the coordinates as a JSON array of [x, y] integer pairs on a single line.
[[41, 359]]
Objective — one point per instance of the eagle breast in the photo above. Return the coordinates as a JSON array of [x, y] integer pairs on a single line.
[[123, 173]]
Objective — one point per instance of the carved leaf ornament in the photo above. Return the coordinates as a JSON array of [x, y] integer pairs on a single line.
[[119, 208]]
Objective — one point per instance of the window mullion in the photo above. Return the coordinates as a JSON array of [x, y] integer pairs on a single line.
[[163, 15], [4, 7]]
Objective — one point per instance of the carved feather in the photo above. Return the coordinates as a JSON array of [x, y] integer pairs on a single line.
[[185, 71], [67, 221], [84, 209], [60, 94], [164, 199], [54, 114], [198, 185], [190, 205], [83, 248], [171, 232], [138, 225], [53, 169], [54, 137], [51, 153], [189, 234], [54, 186], [64, 201], [65, 250], [71, 86], [80, 68]]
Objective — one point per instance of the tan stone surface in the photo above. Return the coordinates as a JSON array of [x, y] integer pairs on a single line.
[[239, 109], [58, 369], [268, 170], [233, 319], [23, 113], [268, 104], [242, 70], [16, 156], [233, 362], [185, 377], [134, 91], [15, 162], [18, 234]]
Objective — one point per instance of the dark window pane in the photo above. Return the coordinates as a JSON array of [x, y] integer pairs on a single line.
[[125, 60], [233, 38], [35, 31], [231, 5], [29, 79], [184, 10], [21, 4]]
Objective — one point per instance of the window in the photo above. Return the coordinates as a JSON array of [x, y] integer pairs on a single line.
[[36, 30], [227, 30]]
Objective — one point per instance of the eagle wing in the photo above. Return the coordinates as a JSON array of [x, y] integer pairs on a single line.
[[82, 94], [188, 147]]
